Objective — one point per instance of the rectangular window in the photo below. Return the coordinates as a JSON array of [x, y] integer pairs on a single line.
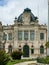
[[32, 51], [10, 36], [41, 36], [19, 35], [25, 35], [32, 35], [5, 37]]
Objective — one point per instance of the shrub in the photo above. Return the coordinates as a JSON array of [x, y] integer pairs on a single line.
[[43, 60], [3, 58], [16, 55]]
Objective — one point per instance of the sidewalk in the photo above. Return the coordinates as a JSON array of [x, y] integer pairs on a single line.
[[27, 63]]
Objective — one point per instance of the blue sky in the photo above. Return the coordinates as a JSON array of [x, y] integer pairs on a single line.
[[3, 2], [11, 8]]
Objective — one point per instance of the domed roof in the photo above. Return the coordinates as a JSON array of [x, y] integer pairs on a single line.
[[27, 10], [20, 18], [32, 17]]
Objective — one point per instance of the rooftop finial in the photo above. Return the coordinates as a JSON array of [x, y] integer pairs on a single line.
[[15, 17]]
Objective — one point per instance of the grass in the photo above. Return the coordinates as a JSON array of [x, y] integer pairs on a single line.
[[18, 61]]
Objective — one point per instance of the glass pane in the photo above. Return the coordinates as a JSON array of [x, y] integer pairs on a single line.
[[5, 36], [41, 36], [10, 36], [32, 34], [19, 35], [25, 35], [41, 49]]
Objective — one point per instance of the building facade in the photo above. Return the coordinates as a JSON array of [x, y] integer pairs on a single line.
[[26, 34]]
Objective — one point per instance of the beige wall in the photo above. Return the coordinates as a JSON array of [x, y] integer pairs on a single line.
[[36, 42]]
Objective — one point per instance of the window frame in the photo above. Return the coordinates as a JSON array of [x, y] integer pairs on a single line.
[[26, 33], [41, 36], [9, 36], [32, 33], [19, 33], [4, 36], [41, 49]]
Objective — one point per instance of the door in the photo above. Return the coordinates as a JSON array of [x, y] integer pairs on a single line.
[[26, 51]]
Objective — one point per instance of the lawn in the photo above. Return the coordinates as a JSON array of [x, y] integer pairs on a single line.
[[18, 61]]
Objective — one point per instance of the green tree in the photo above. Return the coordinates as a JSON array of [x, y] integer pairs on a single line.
[[3, 58], [47, 44], [16, 54]]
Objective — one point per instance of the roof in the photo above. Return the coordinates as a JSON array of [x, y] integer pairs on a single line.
[[27, 10], [32, 17]]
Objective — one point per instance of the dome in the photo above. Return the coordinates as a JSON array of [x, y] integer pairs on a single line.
[[32, 17], [20, 18], [27, 10]]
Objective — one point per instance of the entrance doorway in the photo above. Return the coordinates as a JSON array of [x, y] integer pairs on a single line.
[[26, 51]]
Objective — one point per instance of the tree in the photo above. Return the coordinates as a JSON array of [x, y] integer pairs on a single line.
[[47, 44], [3, 58], [16, 54]]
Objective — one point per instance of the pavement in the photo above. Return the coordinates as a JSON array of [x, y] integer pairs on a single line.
[[27, 63]]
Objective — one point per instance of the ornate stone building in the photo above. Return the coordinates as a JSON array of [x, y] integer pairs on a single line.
[[26, 34]]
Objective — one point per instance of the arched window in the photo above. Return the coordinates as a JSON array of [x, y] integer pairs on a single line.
[[32, 49], [4, 36], [10, 36], [9, 48], [42, 49]]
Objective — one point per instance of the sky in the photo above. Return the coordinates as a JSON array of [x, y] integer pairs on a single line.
[[9, 9]]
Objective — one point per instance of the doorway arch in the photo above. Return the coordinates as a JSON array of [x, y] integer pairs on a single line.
[[26, 51]]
